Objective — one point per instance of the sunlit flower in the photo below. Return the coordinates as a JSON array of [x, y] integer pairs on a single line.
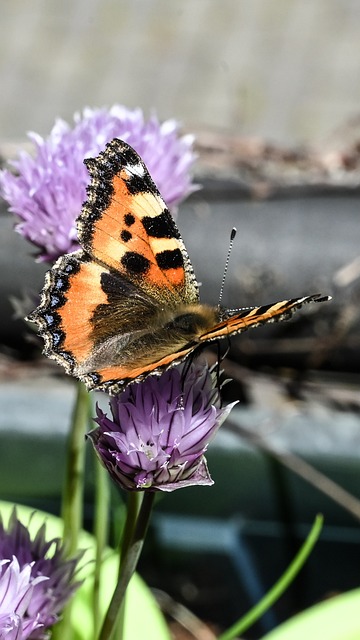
[[160, 430], [37, 583], [49, 187]]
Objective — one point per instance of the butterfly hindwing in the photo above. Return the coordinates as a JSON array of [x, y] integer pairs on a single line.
[[83, 306]]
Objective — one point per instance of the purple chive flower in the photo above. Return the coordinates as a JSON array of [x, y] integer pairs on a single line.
[[49, 187], [160, 430], [17, 587], [41, 579]]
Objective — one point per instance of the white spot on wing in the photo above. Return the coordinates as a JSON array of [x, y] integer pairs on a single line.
[[137, 169]]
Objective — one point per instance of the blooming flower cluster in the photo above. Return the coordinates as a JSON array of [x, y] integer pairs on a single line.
[[36, 581], [49, 187], [160, 430]]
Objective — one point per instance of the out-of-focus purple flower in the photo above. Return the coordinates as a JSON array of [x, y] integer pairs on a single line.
[[41, 579], [160, 430], [17, 587], [49, 187]]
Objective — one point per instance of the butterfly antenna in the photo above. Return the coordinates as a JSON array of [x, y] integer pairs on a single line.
[[232, 238]]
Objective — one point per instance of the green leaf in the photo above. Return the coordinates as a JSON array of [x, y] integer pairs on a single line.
[[334, 619]]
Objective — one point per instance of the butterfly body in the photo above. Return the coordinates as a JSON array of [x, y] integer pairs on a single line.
[[127, 304]]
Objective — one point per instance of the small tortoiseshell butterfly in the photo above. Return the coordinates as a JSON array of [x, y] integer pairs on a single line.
[[127, 304]]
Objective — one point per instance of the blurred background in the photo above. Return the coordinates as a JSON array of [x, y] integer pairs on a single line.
[[286, 71], [271, 90]]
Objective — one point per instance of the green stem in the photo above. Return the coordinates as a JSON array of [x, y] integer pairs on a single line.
[[72, 507], [134, 503], [279, 587], [101, 530], [128, 566], [72, 498]]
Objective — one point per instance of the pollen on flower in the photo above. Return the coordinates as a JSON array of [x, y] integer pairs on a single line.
[[149, 450]]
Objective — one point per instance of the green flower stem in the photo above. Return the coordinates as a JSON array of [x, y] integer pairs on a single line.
[[128, 565], [72, 507], [134, 503], [101, 530], [72, 498], [279, 587]]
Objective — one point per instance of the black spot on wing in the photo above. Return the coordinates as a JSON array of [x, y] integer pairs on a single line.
[[255, 310], [161, 226], [129, 219], [134, 263], [260, 311], [140, 184], [125, 235], [264, 309], [170, 259]]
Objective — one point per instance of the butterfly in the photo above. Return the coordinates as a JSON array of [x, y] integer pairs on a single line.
[[127, 305]]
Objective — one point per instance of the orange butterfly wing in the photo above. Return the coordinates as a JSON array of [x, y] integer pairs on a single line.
[[126, 226]]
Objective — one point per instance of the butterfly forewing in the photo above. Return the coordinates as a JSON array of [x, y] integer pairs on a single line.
[[126, 226]]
